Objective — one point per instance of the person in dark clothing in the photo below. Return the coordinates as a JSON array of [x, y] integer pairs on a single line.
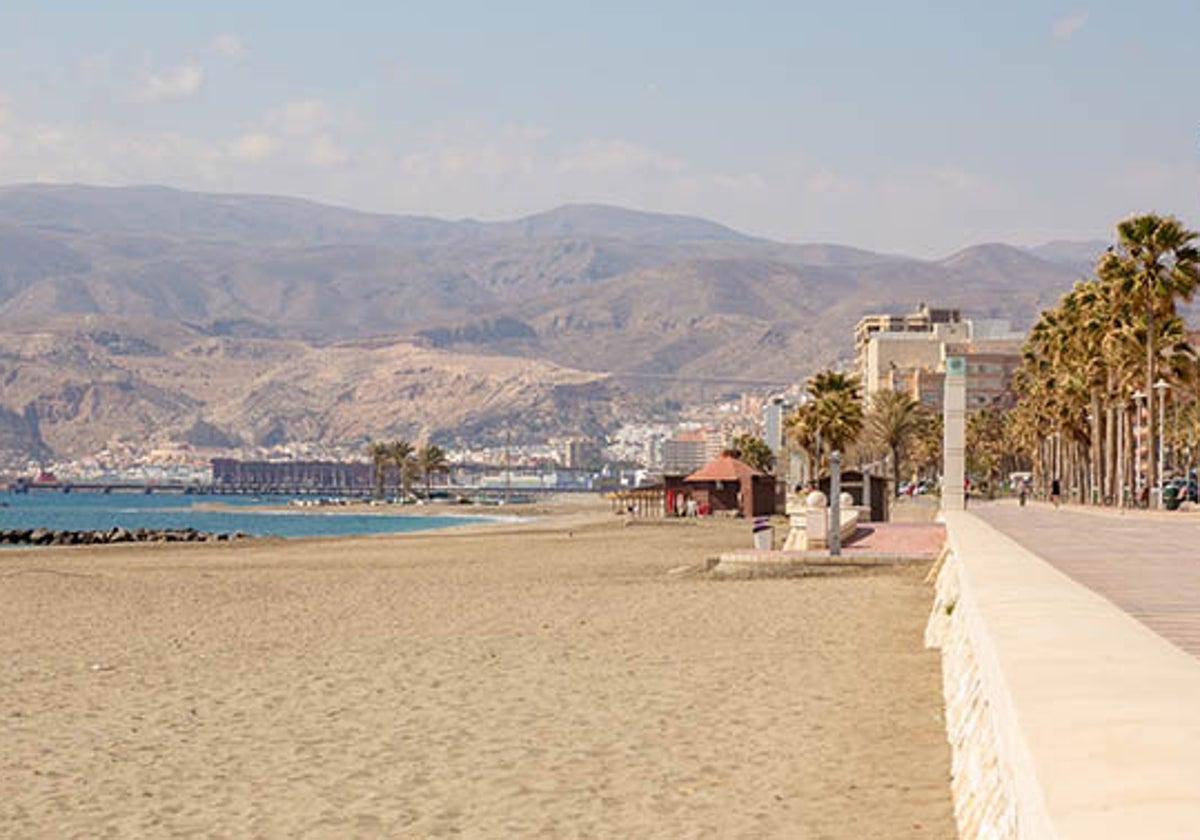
[[1055, 491]]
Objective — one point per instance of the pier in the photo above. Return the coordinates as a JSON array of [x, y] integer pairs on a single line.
[[106, 487]]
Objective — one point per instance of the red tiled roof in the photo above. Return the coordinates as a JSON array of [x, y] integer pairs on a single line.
[[723, 468]]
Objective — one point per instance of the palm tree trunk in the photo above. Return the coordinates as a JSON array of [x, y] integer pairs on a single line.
[[1150, 341], [1110, 456], [1095, 461]]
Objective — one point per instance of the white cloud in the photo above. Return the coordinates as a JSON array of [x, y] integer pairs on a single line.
[[301, 117], [323, 151], [175, 83], [95, 153], [303, 131], [616, 156], [253, 146], [228, 44], [1066, 27], [312, 149]]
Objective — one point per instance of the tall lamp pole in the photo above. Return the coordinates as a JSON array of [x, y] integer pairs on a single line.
[[1162, 387]]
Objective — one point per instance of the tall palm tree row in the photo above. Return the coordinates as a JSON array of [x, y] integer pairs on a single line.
[[1086, 385]]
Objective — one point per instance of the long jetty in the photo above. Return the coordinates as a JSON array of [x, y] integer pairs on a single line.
[[137, 487]]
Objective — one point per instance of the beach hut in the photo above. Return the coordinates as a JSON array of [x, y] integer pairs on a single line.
[[726, 484]]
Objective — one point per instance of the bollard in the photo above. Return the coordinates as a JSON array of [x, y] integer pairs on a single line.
[[764, 534]]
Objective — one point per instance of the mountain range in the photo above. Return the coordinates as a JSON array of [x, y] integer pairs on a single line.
[[154, 314]]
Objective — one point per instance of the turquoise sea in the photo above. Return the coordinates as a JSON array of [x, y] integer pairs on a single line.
[[100, 512]]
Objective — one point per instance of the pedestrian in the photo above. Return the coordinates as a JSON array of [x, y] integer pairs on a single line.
[[1024, 493], [1055, 491]]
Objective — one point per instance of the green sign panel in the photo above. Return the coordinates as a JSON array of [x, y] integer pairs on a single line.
[[956, 366]]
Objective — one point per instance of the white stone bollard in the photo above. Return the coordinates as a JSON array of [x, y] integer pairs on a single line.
[[816, 520]]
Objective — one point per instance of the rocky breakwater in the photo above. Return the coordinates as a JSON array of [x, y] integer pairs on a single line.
[[46, 536]]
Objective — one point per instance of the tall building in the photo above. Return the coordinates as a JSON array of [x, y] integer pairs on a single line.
[[773, 412], [577, 453], [887, 343], [689, 450], [908, 353]]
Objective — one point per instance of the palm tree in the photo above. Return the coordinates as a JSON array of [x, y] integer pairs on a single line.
[[800, 431], [986, 441], [380, 456], [926, 453], [893, 421], [1155, 265], [831, 419], [840, 418], [400, 454], [431, 459], [755, 452], [831, 381]]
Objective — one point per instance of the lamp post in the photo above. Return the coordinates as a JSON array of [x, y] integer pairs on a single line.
[[1162, 387], [1138, 399]]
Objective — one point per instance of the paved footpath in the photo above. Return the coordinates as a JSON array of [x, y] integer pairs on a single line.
[[1148, 564]]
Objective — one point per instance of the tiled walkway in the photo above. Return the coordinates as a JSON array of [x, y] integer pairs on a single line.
[[1148, 564], [910, 539]]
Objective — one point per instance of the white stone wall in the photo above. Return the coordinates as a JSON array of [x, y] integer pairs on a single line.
[[981, 785]]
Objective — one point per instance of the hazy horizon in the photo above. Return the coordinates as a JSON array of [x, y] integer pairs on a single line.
[[899, 131]]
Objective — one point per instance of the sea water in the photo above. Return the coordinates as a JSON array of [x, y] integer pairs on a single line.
[[101, 512]]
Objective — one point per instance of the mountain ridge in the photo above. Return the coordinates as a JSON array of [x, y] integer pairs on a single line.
[[583, 290]]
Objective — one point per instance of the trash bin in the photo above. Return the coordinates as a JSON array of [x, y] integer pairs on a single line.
[[1171, 498], [764, 534]]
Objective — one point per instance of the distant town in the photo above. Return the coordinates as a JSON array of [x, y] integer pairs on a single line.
[[903, 352]]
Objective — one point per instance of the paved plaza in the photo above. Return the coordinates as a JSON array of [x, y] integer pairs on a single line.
[[1147, 563]]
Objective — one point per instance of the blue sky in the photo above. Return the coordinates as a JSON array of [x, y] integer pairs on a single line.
[[917, 127]]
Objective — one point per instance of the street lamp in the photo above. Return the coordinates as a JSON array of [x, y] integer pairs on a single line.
[[1162, 387], [1138, 399]]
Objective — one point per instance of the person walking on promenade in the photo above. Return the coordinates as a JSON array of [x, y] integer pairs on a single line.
[[1055, 491]]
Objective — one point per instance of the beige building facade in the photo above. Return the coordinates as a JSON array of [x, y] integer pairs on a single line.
[[908, 353]]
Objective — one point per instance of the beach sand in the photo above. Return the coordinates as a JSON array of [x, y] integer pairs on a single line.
[[572, 677]]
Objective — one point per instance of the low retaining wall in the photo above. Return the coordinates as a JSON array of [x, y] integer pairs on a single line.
[[1067, 718]]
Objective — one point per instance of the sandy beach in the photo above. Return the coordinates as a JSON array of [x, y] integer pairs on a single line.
[[573, 677]]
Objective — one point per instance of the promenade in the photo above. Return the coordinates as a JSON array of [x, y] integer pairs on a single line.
[[1070, 641], [1147, 563]]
